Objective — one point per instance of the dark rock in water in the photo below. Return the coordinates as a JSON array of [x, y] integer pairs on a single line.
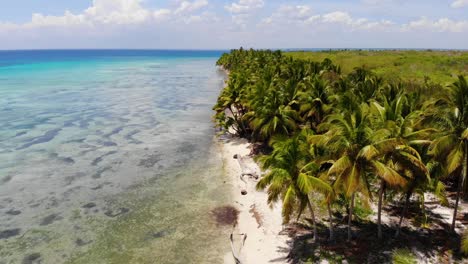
[[67, 160], [6, 179], [13, 212], [69, 179], [235, 156], [109, 144], [50, 219], [21, 133], [79, 242], [34, 258], [114, 131], [100, 186], [5, 234], [89, 205], [130, 138], [96, 161], [99, 173], [120, 211], [187, 148], [225, 215], [150, 161], [99, 159], [160, 234]]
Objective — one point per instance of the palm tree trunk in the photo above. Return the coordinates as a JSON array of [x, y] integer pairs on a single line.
[[350, 216], [460, 186], [313, 219], [330, 216], [379, 210], [403, 213]]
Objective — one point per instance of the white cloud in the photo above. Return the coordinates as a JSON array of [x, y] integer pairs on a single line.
[[113, 12], [117, 12], [241, 12], [162, 14], [337, 17], [459, 3], [290, 14], [356, 24], [244, 6], [303, 15], [187, 7], [68, 19], [441, 25]]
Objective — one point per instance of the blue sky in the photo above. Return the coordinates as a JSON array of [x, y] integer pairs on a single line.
[[221, 24]]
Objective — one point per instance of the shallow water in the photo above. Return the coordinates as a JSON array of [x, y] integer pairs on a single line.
[[108, 157]]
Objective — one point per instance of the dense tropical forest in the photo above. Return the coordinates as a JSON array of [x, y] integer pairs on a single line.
[[410, 65], [334, 143]]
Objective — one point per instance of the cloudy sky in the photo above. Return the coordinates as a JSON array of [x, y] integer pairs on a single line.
[[222, 24]]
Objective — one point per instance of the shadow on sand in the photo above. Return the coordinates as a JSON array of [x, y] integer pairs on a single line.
[[431, 244]]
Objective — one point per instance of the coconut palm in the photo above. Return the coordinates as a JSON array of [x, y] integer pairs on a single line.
[[312, 179], [350, 141], [285, 179], [314, 100], [450, 113], [397, 125], [230, 100]]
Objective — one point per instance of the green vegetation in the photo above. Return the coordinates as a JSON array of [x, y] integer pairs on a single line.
[[349, 136], [437, 66], [403, 256]]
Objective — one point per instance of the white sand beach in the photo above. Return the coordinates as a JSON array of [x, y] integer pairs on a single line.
[[257, 220]]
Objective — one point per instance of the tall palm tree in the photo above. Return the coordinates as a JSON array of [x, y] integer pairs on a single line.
[[451, 115], [284, 178], [350, 142], [396, 122]]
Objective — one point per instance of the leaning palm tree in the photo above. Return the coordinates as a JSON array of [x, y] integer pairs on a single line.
[[284, 178], [450, 113], [350, 142], [230, 108]]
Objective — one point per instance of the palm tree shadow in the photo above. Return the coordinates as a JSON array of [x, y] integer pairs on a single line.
[[365, 247]]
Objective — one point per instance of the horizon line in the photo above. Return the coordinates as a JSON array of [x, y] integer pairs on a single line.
[[228, 49]]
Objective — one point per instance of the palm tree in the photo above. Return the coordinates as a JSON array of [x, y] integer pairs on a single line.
[[314, 100], [285, 179], [451, 114], [396, 122], [350, 140], [272, 117], [309, 180], [231, 100]]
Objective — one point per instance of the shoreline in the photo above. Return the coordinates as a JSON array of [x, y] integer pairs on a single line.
[[260, 223]]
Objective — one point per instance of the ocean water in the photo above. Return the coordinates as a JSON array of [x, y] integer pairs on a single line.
[[109, 157]]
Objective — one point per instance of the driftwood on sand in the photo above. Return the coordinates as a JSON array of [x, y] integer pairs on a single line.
[[235, 254], [246, 170], [251, 173]]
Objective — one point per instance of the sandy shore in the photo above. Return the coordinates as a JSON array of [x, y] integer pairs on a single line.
[[257, 220]]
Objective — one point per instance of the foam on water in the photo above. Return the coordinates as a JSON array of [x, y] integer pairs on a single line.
[[109, 158]]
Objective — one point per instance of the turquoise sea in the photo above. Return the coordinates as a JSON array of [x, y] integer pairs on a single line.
[[108, 156]]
